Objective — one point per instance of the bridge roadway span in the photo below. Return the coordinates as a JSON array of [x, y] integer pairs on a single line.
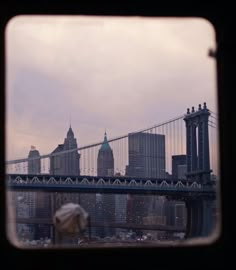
[[115, 185], [127, 226]]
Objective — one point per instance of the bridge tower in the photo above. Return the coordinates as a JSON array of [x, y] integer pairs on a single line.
[[198, 158], [199, 211]]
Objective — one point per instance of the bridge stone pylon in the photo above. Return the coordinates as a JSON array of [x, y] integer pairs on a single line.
[[199, 211], [197, 144]]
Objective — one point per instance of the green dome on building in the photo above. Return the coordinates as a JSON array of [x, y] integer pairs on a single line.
[[105, 145]]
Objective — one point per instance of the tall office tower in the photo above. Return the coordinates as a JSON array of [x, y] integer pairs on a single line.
[[56, 162], [146, 155], [26, 202], [146, 160], [71, 160], [179, 165], [34, 163], [105, 160], [66, 163], [105, 202], [42, 200], [25, 208]]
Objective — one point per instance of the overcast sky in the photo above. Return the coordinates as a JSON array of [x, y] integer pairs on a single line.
[[122, 74]]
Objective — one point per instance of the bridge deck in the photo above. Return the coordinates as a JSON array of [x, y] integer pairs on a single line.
[[110, 225], [118, 185]]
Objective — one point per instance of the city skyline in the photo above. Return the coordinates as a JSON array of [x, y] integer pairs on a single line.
[[96, 73]]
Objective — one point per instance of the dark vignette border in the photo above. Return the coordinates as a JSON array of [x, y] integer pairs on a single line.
[[200, 256]]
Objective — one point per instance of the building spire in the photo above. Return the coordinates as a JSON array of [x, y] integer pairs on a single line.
[[70, 133], [105, 145]]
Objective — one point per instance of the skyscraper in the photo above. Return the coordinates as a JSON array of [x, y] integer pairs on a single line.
[[34, 163], [66, 163], [42, 200], [147, 160], [178, 166], [105, 160], [27, 202], [105, 202], [146, 155]]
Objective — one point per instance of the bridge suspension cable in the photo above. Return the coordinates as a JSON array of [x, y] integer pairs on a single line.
[[154, 154], [91, 145]]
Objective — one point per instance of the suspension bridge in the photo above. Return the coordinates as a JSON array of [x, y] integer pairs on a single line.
[[176, 159]]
